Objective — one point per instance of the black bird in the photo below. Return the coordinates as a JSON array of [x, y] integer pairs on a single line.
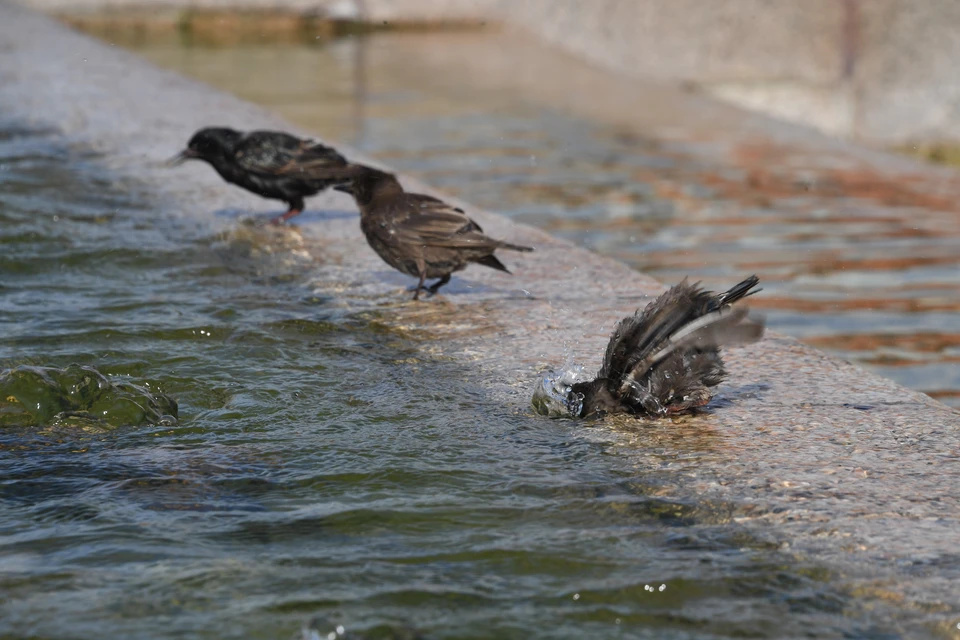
[[272, 164], [665, 359], [418, 234]]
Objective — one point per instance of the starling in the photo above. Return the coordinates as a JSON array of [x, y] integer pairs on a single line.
[[418, 234], [271, 164], [664, 360]]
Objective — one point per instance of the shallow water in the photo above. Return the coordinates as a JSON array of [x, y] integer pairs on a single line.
[[322, 465], [880, 290]]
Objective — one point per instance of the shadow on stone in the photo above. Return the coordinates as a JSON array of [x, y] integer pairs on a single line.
[[244, 217]]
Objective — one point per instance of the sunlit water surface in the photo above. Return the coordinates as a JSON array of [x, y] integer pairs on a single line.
[[321, 464], [879, 290]]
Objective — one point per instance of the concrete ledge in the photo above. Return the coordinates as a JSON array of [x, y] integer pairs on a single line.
[[378, 10], [882, 69], [835, 465]]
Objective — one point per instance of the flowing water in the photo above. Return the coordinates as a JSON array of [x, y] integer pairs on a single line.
[[876, 286], [320, 464]]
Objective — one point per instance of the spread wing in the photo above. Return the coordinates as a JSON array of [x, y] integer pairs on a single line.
[[683, 317], [277, 153], [637, 336]]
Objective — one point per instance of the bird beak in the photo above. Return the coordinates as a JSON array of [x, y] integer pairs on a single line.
[[344, 188], [180, 158]]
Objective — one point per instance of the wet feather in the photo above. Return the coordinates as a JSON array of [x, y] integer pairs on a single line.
[[665, 359]]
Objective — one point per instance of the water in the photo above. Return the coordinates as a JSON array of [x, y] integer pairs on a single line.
[[866, 271], [322, 464]]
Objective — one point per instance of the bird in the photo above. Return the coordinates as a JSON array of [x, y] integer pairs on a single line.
[[665, 359], [417, 234], [272, 164]]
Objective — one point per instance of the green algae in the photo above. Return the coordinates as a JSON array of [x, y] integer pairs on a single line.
[[78, 396], [945, 153]]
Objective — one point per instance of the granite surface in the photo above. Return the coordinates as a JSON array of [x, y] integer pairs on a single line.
[[806, 452]]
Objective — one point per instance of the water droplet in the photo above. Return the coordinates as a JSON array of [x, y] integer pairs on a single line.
[[340, 629], [663, 587], [618, 621], [576, 596], [56, 218]]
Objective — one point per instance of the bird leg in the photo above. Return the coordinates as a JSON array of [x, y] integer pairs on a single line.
[[420, 287], [432, 289], [296, 208], [439, 283], [422, 270], [289, 214]]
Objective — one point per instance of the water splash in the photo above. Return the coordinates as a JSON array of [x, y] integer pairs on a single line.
[[552, 395]]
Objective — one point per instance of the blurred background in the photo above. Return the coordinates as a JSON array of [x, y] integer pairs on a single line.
[[585, 120]]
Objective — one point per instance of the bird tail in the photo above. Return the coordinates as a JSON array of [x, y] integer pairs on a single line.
[[514, 247], [492, 262], [739, 291]]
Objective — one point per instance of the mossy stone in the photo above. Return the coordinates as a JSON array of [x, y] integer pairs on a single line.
[[78, 396]]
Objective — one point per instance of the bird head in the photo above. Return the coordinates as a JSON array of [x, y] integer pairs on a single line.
[[366, 183], [210, 144], [592, 400]]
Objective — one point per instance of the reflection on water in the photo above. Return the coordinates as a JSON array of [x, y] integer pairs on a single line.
[[322, 465], [851, 263]]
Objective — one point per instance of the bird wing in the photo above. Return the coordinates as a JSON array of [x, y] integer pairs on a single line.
[[267, 151], [277, 153], [432, 222], [635, 337], [315, 160]]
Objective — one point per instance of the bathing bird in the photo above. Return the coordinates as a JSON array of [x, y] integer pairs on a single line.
[[664, 360], [272, 164], [417, 234]]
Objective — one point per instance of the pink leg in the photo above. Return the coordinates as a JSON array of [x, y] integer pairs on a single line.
[[289, 214]]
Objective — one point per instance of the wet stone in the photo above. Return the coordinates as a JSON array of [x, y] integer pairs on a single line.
[[78, 396], [257, 248]]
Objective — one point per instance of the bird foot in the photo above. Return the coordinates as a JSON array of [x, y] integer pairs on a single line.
[[289, 214], [417, 290]]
